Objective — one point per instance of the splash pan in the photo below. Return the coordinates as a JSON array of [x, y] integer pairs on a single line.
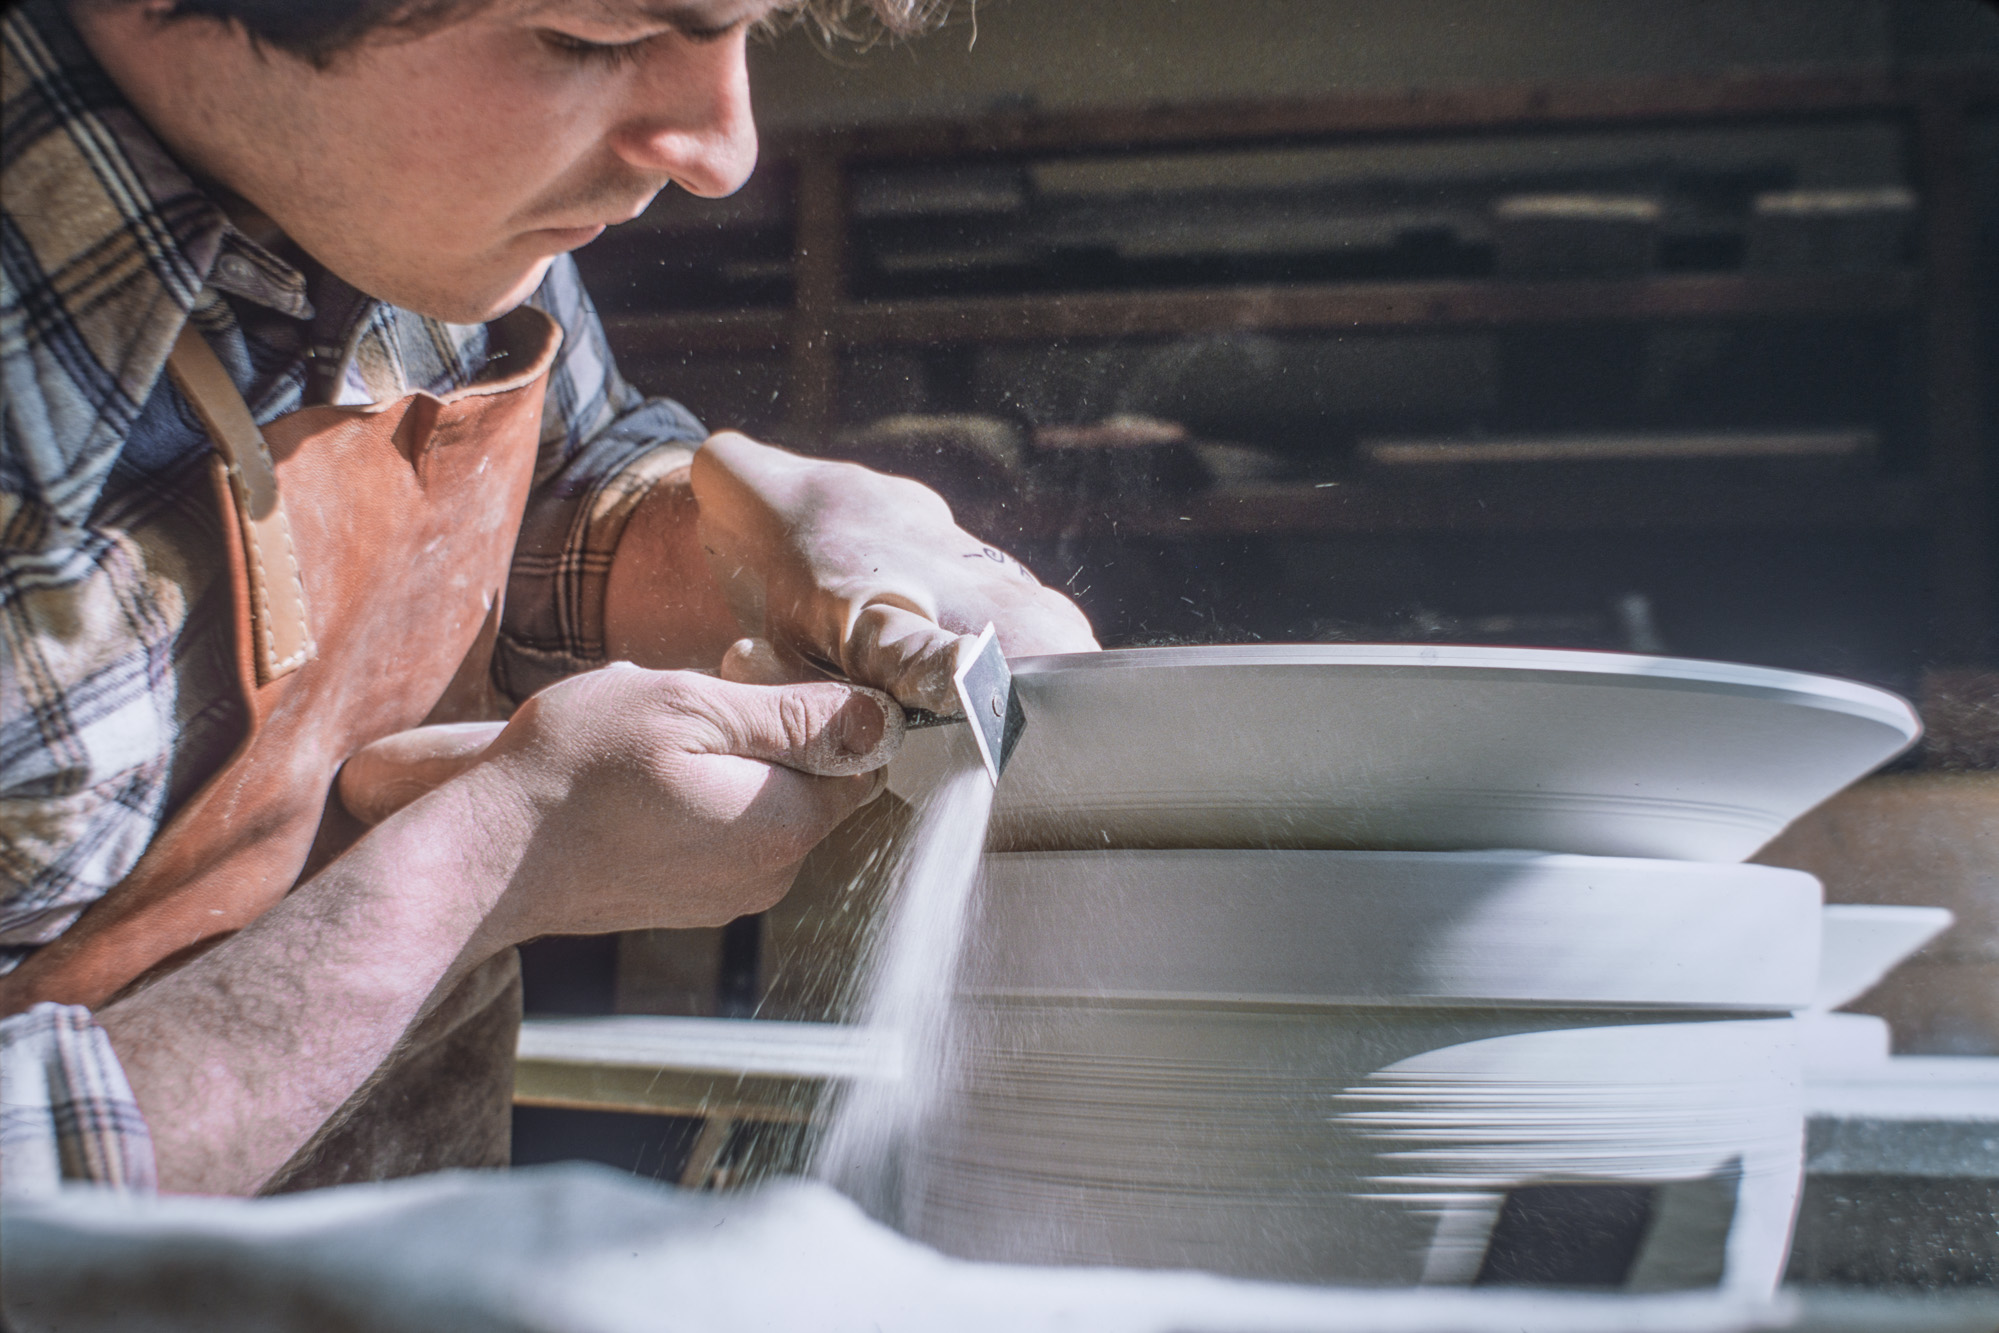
[[1423, 748]]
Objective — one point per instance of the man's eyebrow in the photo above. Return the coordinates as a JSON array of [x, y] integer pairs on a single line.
[[687, 15]]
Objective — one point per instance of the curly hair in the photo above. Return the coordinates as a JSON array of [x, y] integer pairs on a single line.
[[319, 31]]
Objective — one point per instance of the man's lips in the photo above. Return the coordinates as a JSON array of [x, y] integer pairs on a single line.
[[570, 237]]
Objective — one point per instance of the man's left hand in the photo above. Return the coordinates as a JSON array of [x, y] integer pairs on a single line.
[[832, 567]]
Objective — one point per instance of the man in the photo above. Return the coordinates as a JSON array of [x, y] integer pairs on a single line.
[[299, 381]]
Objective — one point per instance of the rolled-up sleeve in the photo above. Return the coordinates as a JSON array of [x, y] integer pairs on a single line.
[[603, 446], [66, 1110]]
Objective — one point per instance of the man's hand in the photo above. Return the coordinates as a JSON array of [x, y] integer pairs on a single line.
[[830, 566], [624, 770], [619, 799], [670, 799]]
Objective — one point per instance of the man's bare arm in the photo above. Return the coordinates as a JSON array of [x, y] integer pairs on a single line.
[[240, 1056], [620, 799], [663, 607]]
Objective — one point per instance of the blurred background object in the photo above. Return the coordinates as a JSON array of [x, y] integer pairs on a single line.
[[1574, 235], [1927, 837], [978, 458], [1841, 231]]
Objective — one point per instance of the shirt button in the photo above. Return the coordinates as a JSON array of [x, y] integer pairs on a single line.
[[236, 268]]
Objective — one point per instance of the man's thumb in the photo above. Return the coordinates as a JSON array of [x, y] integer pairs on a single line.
[[826, 728]]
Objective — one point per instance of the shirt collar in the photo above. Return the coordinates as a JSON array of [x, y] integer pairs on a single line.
[[247, 270]]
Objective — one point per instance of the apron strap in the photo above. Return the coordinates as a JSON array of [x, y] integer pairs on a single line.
[[281, 635]]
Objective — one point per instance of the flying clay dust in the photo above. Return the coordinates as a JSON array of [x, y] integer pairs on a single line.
[[905, 987]]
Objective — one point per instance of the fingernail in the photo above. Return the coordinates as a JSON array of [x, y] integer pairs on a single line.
[[862, 734], [859, 725]]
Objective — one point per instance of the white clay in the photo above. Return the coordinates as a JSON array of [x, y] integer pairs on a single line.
[[1361, 1146], [1243, 994], [1396, 928], [1862, 942], [1424, 748]]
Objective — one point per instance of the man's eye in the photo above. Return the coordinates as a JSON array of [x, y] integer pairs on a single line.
[[609, 55], [615, 54], [704, 35]]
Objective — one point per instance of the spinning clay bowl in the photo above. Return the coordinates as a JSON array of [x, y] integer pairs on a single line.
[[1334, 1066], [1395, 928], [1423, 748], [1371, 1148], [1249, 991]]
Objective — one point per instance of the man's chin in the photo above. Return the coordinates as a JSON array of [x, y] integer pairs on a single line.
[[478, 298]]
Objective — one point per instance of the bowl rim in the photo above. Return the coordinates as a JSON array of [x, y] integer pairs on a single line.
[[1637, 670]]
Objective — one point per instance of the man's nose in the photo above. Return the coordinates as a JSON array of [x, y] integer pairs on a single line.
[[693, 121]]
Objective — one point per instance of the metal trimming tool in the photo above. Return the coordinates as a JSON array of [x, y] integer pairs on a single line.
[[984, 684]]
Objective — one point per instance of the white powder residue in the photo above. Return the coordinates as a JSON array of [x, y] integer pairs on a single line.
[[907, 980]]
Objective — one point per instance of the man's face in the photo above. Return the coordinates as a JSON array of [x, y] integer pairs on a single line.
[[442, 173]]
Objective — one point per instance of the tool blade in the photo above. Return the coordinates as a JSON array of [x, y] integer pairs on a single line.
[[985, 691]]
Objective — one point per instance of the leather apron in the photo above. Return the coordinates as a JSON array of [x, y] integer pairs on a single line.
[[368, 553]]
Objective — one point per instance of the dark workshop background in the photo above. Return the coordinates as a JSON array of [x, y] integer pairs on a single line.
[[1653, 324]]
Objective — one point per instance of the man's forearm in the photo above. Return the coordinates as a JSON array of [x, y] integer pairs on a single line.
[[663, 607], [618, 799], [239, 1057]]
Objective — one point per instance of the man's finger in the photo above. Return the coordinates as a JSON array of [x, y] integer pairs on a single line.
[[761, 662], [384, 777], [825, 728], [784, 814], [910, 656], [1049, 623]]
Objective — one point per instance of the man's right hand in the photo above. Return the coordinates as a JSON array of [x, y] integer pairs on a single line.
[[641, 799], [667, 798], [618, 799]]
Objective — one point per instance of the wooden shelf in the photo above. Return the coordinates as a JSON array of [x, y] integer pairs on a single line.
[[1293, 307], [1426, 112], [1547, 501]]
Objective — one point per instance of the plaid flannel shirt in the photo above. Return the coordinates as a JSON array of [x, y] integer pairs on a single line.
[[117, 693]]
